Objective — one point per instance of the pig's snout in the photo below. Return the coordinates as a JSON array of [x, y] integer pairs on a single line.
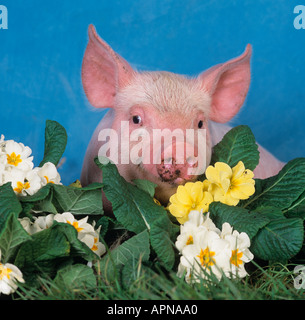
[[174, 172]]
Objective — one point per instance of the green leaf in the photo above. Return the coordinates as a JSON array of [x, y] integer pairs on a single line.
[[41, 200], [78, 200], [40, 195], [161, 243], [55, 142], [282, 190], [136, 211], [77, 247], [133, 249], [103, 222], [43, 253], [145, 185], [48, 249], [131, 271], [297, 208], [280, 239], [133, 207], [75, 277], [237, 145], [240, 219], [11, 236], [55, 198], [8, 204]]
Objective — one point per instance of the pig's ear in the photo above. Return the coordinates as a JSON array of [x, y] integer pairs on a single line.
[[103, 72], [228, 85]]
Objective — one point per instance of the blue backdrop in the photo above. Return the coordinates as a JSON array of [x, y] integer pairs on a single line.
[[41, 54]]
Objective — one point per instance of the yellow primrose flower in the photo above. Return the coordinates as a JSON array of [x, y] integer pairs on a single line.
[[230, 185], [191, 196]]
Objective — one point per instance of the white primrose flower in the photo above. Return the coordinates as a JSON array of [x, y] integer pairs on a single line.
[[205, 249], [9, 274], [48, 174], [43, 222], [240, 253], [80, 225], [209, 254], [2, 146], [23, 183], [86, 232], [16, 166], [196, 222], [27, 225], [92, 241], [2, 170], [17, 155], [40, 223]]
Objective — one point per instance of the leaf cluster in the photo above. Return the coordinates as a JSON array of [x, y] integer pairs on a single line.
[[272, 217]]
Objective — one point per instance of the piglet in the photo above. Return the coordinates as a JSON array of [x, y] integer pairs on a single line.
[[143, 104]]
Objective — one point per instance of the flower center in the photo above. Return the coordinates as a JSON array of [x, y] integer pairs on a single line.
[[236, 258], [48, 181], [190, 240], [22, 186], [94, 247], [4, 272], [13, 159], [75, 225], [205, 257]]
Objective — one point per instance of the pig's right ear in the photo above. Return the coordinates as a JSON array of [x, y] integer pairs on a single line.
[[103, 72], [227, 84]]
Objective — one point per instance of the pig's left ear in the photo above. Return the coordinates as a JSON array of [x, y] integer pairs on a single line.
[[103, 72], [228, 85]]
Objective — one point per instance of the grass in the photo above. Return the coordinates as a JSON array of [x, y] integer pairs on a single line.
[[275, 282]]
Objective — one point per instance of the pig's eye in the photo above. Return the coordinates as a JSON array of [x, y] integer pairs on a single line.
[[200, 124], [136, 119]]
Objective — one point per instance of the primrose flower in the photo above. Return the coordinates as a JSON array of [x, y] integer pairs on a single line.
[[40, 223], [240, 253], [230, 185], [86, 232], [92, 241], [206, 250], [188, 231], [208, 255], [48, 174], [16, 166], [23, 183], [43, 222], [16, 155], [191, 196], [2, 171], [27, 225], [9, 274], [81, 226]]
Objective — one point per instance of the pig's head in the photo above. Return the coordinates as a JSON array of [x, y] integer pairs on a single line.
[[149, 105]]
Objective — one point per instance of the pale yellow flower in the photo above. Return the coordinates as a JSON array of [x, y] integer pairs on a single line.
[[230, 185], [191, 196], [9, 275]]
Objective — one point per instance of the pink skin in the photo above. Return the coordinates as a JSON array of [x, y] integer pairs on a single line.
[[163, 100]]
